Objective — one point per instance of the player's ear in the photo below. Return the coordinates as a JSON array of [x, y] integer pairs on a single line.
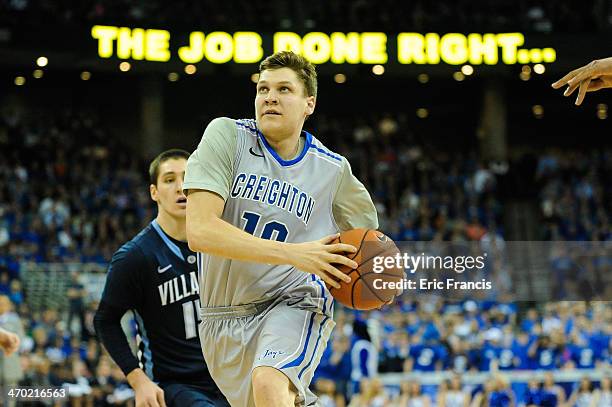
[[311, 101], [153, 192]]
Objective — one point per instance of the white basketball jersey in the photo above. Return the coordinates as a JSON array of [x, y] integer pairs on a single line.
[[288, 201]]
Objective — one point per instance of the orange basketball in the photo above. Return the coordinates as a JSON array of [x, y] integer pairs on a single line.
[[367, 289]]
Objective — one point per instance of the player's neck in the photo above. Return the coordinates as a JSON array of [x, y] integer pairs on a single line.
[[173, 227], [288, 148]]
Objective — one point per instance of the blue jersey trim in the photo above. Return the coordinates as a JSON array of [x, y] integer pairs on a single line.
[[284, 163], [320, 326], [314, 352], [173, 248], [146, 358], [300, 359], [327, 153]]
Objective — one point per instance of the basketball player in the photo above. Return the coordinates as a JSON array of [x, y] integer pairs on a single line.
[[589, 78], [262, 213], [155, 276]]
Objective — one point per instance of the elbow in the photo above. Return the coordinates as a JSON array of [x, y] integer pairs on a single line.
[[197, 238]]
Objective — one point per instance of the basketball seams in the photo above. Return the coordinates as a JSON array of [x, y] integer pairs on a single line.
[[360, 243], [365, 269]]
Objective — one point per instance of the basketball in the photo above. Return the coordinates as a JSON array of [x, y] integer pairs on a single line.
[[367, 290]]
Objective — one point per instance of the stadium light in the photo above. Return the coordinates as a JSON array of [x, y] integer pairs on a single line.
[[539, 69], [458, 76], [538, 111], [20, 81], [378, 69], [255, 77], [602, 111], [38, 73], [85, 75], [125, 66], [524, 76], [422, 113], [339, 78], [190, 69], [423, 78], [467, 70], [42, 61], [526, 69], [173, 77]]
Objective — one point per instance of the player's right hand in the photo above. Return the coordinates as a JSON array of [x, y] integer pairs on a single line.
[[317, 257], [148, 394], [589, 78]]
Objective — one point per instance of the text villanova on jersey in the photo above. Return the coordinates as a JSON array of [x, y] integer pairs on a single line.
[[282, 194]]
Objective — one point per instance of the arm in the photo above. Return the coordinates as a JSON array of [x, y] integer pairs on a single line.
[[208, 233], [358, 211], [589, 78], [441, 399], [107, 322], [123, 292]]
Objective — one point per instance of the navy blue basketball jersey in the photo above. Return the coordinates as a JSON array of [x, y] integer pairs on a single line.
[[156, 277]]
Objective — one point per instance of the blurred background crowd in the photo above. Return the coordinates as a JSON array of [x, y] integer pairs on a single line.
[[74, 152]]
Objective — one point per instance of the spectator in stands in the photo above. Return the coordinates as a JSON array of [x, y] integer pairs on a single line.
[[551, 392], [544, 354], [336, 363], [583, 394], [371, 394], [11, 329], [328, 396], [453, 395], [411, 396], [496, 393], [76, 304], [9, 341], [603, 395], [534, 395]]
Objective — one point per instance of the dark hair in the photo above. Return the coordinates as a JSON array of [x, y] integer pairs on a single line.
[[304, 69], [161, 158]]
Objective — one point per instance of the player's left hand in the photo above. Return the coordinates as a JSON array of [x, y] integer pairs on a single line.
[[589, 78], [9, 342]]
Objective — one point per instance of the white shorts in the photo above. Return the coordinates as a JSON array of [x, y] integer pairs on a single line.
[[288, 333]]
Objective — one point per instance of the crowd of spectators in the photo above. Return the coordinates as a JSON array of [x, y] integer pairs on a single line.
[[362, 15], [422, 191], [575, 191], [70, 192], [439, 336]]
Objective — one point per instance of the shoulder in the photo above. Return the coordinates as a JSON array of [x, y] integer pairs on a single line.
[[220, 128], [222, 124], [321, 151], [132, 253], [220, 133]]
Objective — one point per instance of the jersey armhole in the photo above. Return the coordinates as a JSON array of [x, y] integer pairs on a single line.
[[240, 143], [333, 193]]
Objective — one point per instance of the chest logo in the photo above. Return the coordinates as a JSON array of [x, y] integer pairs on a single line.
[[254, 153], [191, 259], [161, 270]]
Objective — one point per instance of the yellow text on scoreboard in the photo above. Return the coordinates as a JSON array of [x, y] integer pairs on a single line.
[[247, 47]]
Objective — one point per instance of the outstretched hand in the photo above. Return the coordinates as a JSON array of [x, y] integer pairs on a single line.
[[589, 78]]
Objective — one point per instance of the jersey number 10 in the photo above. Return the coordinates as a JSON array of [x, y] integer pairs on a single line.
[[271, 230]]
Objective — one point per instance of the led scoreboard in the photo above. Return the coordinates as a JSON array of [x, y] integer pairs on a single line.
[[247, 47]]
